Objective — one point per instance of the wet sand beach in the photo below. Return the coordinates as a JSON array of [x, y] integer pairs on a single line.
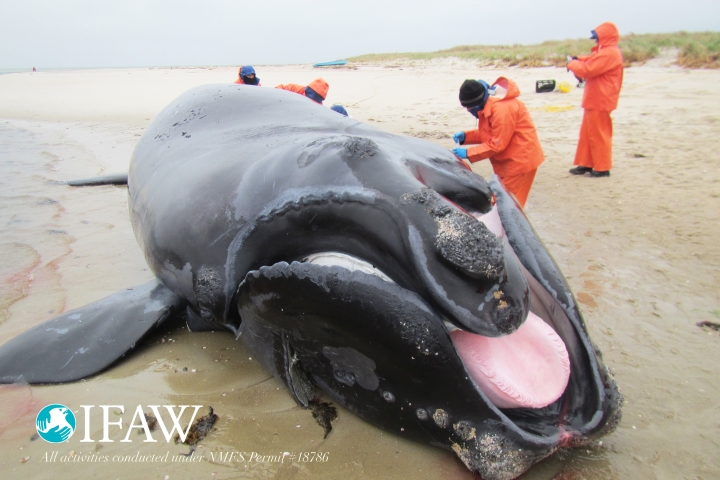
[[639, 250]]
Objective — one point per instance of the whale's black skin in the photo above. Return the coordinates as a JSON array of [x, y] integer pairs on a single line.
[[111, 179], [232, 187], [262, 178]]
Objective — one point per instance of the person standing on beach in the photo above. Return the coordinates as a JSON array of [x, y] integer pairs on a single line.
[[603, 74], [505, 134], [317, 89], [247, 76]]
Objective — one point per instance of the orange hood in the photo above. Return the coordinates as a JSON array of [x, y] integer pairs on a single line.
[[320, 87], [506, 88], [608, 34]]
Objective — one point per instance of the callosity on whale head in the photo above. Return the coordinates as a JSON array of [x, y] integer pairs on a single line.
[[373, 266]]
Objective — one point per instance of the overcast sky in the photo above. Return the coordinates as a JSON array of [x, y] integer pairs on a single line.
[[123, 33]]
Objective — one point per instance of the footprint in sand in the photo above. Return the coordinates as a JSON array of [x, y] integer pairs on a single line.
[[590, 289]]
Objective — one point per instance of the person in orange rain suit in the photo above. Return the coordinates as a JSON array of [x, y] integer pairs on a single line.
[[505, 134], [603, 71], [247, 76], [317, 89]]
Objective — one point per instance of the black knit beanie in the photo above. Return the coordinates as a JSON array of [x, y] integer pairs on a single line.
[[472, 93]]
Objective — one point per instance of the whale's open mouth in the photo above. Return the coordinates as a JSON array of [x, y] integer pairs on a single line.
[[529, 368]]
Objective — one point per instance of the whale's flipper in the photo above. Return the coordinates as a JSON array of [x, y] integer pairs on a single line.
[[88, 339], [112, 179]]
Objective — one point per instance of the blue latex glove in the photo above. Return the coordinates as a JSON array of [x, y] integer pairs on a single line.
[[460, 152], [459, 138]]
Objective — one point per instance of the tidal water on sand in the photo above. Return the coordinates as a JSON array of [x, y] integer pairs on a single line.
[[41, 217], [33, 239]]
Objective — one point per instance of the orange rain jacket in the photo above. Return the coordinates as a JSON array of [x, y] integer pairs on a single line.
[[505, 134], [292, 87], [319, 85], [603, 70]]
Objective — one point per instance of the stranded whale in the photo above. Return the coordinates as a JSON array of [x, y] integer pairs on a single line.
[[373, 266]]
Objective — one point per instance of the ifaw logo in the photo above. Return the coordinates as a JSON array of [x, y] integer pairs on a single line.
[[56, 423]]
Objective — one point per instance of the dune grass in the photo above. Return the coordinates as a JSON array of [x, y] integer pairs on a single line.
[[695, 50]]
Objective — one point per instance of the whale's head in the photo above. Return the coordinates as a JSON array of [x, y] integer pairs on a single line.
[[425, 303]]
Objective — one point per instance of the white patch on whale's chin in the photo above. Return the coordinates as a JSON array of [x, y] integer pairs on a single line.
[[348, 262]]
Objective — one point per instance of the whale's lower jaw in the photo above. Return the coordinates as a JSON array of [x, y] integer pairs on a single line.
[[526, 369]]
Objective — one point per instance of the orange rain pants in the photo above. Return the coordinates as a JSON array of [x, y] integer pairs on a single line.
[[519, 185], [594, 148]]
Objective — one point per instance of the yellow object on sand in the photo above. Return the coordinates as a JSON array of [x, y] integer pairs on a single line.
[[557, 108], [564, 87]]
